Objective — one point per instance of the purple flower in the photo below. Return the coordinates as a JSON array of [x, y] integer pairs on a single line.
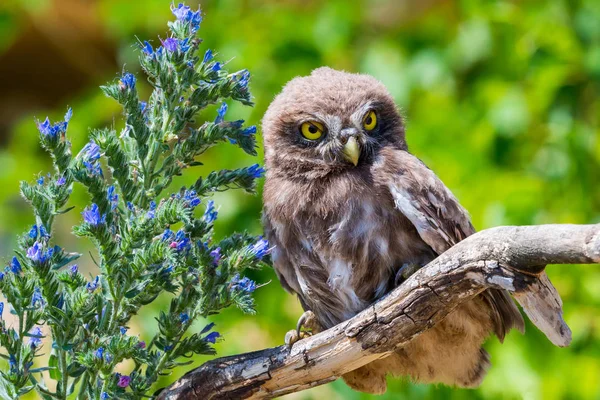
[[184, 317], [45, 127], [61, 181], [91, 151], [221, 113], [113, 197], [255, 171], [92, 216], [141, 344], [260, 248], [212, 337], [170, 44], [99, 353], [124, 381], [181, 242], [37, 298], [73, 269], [127, 81], [93, 285], [181, 11], [216, 256], [208, 56], [245, 284], [15, 265], [36, 337], [36, 254]]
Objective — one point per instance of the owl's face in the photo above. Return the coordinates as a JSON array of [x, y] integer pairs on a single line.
[[330, 121]]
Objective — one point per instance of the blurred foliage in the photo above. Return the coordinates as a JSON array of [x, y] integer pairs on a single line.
[[501, 100]]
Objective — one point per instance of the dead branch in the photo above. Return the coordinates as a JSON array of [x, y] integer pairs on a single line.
[[511, 258]]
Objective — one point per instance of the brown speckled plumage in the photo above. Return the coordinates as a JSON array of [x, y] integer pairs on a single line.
[[342, 232]]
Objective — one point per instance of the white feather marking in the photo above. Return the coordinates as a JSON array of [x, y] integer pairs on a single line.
[[340, 282]]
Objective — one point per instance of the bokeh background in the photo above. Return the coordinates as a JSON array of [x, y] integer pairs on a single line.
[[502, 100]]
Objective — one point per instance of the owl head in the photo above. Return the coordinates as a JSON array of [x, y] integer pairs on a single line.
[[329, 122]]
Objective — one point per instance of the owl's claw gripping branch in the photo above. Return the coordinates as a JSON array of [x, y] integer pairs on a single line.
[[510, 258], [308, 321]]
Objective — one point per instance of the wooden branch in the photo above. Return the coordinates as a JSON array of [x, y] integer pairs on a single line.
[[511, 258]]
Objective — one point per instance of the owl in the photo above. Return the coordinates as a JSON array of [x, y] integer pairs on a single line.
[[350, 213]]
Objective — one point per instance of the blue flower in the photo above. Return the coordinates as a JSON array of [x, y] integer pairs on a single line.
[[170, 44], [167, 235], [37, 254], [212, 337], [33, 232], [73, 269], [260, 248], [104, 396], [49, 130], [108, 358], [147, 48], [207, 328], [93, 168], [181, 242], [99, 353], [12, 363], [216, 67], [184, 45], [91, 215], [15, 265], [152, 205], [221, 113], [184, 14], [245, 284], [1, 308], [210, 215], [130, 206], [127, 81], [93, 285], [242, 78], [36, 339], [208, 56], [113, 197], [143, 106], [37, 298], [91, 151], [251, 130], [61, 181], [191, 198], [123, 330], [256, 171], [216, 256], [184, 317], [40, 180]]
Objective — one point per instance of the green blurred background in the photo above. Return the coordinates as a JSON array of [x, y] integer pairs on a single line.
[[501, 100]]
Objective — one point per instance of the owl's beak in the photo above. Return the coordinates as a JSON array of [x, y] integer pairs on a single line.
[[351, 150]]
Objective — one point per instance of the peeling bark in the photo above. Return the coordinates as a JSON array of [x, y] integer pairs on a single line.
[[511, 258]]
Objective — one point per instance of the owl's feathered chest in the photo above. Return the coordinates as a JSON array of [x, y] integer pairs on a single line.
[[344, 241]]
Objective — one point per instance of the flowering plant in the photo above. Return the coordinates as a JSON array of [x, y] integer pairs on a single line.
[[141, 254]]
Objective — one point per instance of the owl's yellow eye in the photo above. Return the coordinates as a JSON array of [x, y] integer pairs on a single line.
[[312, 130], [370, 120]]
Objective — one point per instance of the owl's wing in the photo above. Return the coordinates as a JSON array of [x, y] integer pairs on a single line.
[[441, 222], [281, 260]]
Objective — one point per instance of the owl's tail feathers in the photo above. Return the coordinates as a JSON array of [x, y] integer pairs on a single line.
[[369, 378], [504, 313]]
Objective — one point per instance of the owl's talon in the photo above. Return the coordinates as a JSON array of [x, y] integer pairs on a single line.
[[307, 326]]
